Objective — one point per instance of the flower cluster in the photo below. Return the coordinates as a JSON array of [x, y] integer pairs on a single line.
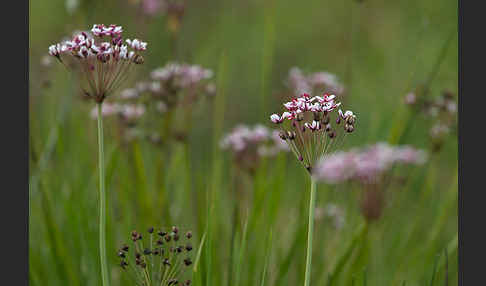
[[365, 165], [248, 144], [162, 259], [314, 82], [128, 113], [440, 112], [368, 167], [170, 88], [314, 126], [102, 58], [173, 84]]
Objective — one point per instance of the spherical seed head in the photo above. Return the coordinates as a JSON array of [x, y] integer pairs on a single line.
[[188, 235], [150, 230]]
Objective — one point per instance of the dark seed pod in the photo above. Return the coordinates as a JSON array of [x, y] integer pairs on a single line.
[[156, 252], [187, 261], [123, 264], [179, 249], [188, 235], [331, 134], [188, 247], [162, 233]]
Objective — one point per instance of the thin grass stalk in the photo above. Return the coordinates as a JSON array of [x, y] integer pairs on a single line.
[[101, 167], [308, 262]]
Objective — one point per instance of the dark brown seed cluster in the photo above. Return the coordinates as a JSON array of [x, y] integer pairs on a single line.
[[156, 252]]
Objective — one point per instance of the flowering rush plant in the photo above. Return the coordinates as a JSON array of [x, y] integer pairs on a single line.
[[102, 57], [370, 168], [313, 126]]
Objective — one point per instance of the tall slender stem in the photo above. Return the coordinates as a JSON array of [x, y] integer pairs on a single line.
[[308, 263], [101, 166]]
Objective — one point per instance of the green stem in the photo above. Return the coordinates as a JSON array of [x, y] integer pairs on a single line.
[[101, 166], [308, 263]]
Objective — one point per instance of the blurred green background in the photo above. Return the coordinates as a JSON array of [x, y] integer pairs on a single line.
[[379, 49]]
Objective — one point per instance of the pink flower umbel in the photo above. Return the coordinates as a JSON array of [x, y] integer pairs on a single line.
[[369, 168], [102, 58], [313, 126], [249, 145]]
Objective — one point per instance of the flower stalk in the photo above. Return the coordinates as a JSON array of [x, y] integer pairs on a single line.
[[310, 232], [101, 167]]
